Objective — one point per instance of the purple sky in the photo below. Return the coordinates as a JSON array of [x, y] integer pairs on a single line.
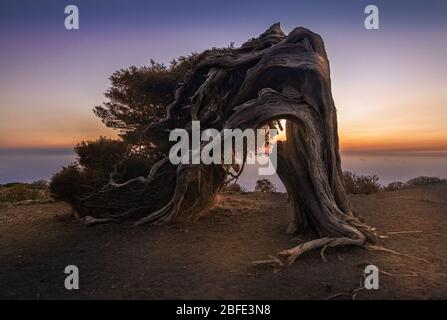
[[389, 84]]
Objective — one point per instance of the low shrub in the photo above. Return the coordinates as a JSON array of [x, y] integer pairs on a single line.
[[18, 192], [393, 186], [265, 185], [233, 188], [361, 184], [424, 181], [67, 184]]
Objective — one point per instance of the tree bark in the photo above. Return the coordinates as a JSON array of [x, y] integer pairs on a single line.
[[268, 78]]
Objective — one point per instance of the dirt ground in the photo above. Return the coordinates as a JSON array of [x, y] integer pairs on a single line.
[[211, 258]]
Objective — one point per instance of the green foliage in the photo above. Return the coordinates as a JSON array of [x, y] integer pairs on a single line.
[[67, 184], [97, 160], [361, 184], [138, 96], [100, 155], [265, 185]]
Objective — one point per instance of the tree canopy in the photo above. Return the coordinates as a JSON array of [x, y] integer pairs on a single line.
[[138, 97]]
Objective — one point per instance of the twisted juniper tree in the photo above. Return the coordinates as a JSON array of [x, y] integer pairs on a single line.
[[272, 77]]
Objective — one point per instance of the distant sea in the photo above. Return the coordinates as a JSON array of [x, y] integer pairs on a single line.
[[27, 165]]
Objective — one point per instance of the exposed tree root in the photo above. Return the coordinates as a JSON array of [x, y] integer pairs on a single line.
[[272, 262], [159, 214], [389, 274], [352, 293], [292, 254], [411, 274], [323, 257], [130, 212], [383, 249], [405, 232], [91, 221]]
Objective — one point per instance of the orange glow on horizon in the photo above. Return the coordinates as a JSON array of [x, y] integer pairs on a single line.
[[393, 142], [348, 141], [62, 140]]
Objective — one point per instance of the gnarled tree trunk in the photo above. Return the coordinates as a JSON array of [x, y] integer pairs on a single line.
[[268, 78]]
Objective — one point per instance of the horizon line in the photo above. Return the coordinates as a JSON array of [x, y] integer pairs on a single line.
[[66, 150]]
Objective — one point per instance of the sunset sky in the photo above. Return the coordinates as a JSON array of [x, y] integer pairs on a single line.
[[389, 85]]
